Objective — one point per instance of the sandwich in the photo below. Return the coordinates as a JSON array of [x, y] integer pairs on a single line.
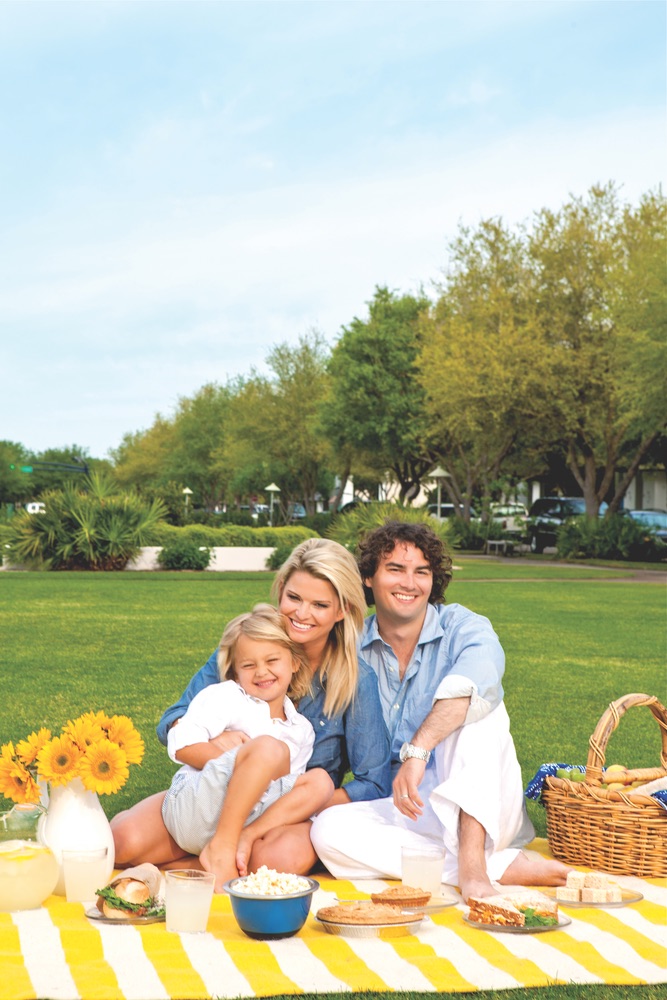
[[132, 894], [523, 908]]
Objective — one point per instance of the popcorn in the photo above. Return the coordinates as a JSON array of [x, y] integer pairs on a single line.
[[268, 882]]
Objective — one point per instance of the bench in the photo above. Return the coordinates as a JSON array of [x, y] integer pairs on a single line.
[[500, 546]]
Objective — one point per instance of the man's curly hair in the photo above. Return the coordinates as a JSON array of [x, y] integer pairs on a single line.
[[381, 542]]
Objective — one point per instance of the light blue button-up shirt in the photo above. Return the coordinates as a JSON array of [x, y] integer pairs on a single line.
[[457, 655]]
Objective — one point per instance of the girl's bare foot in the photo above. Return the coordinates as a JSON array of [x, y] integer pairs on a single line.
[[221, 860]]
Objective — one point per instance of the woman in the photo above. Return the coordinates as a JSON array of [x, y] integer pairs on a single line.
[[319, 591]]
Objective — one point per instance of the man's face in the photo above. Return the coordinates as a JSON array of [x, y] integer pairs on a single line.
[[402, 584]]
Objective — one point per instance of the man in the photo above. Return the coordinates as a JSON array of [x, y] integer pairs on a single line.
[[456, 779]]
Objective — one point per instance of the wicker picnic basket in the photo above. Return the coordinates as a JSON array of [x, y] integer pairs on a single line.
[[624, 833]]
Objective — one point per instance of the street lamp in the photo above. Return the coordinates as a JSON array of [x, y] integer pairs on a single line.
[[187, 493], [438, 476], [271, 489]]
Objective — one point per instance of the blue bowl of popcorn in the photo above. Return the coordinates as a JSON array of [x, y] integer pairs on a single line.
[[269, 904]]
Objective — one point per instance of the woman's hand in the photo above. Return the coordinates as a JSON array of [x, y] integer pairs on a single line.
[[406, 785], [228, 740]]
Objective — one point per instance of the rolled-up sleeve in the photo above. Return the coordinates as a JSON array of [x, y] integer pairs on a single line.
[[367, 742], [477, 666], [208, 674]]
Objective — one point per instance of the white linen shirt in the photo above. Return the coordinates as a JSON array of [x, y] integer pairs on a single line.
[[226, 705]]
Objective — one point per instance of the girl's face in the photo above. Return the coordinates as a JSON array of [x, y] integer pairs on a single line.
[[311, 608], [264, 670]]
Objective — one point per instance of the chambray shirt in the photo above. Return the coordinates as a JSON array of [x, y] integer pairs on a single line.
[[457, 655], [355, 740]]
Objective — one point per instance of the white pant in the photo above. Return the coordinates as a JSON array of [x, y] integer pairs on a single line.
[[476, 770]]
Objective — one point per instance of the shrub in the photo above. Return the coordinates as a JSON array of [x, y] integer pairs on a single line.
[[350, 527], [279, 555], [473, 535], [184, 554], [614, 537], [90, 527], [233, 535]]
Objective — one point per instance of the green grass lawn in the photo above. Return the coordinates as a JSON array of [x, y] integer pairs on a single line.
[[128, 643]]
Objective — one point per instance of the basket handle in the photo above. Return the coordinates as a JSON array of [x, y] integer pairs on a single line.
[[608, 723]]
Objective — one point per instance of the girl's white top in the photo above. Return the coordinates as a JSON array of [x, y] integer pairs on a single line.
[[226, 705]]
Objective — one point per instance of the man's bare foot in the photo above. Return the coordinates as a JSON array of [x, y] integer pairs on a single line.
[[535, 871], [478, 886]]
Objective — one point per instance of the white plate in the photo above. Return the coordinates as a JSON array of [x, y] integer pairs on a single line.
[[94, 914], [627, 897], [563, 921], [371, 930]]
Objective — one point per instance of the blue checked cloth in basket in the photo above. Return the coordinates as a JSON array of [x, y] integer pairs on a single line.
[[534, 786]]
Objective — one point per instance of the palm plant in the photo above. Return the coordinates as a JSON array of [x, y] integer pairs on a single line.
[[94, 527]]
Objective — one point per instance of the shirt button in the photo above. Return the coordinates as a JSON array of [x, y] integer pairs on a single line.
[[321, 722], [396, 706]]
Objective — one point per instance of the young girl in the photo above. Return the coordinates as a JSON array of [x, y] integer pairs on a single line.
[[213, 797]]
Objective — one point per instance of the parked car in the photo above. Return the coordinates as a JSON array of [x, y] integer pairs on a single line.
[[295, 511], [511, 516], [546, 516], [447, 510], [655, 520]]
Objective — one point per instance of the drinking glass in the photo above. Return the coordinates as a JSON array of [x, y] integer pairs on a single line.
[[188, 896], [421, 867], [84, 872]]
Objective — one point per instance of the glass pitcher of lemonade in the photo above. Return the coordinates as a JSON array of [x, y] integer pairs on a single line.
[[28, 868]]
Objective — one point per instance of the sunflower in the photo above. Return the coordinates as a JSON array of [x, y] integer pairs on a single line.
[[84, 731], [98, 718], [16, 781], [122, 732], [27, 750], [104, 768], [58, 760]]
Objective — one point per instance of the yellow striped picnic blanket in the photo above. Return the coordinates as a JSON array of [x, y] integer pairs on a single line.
[[56, 953]]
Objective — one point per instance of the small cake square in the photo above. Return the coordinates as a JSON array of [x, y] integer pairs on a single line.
[[596, 895], [576, 880], [614, 894], [567, 894], [596, 880]]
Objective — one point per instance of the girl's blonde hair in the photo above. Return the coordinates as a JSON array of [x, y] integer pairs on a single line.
[[329, 561], [264, 624]]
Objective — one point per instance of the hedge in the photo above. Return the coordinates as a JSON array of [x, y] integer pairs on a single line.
[[232, 535]]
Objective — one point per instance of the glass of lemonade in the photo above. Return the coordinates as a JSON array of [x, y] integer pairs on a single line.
[[188, 896], [421, 867], [84, 872]]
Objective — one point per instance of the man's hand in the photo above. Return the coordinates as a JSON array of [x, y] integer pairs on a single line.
[[227, 741], [406, 785]]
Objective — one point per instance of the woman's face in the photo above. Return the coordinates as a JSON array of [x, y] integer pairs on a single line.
[[311, 608]]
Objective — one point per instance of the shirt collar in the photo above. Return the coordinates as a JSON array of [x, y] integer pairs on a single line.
[[431, 629]]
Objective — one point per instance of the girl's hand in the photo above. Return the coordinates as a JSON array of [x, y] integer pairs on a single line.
[[228, 740]]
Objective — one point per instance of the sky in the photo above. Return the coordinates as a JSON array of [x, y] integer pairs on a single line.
[[185, 185]]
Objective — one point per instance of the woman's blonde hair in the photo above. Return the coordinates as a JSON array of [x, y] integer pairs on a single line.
[[264, 624], [329, 561]]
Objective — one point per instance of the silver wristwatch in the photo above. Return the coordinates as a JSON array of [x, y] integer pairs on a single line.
[[410, 750]]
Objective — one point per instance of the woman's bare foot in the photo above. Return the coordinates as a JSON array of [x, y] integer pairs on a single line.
[[244, 850], [535, 871]]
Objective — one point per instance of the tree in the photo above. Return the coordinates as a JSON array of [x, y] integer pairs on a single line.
[[600, 286], [374, 415], [273, 426], [480, 365]]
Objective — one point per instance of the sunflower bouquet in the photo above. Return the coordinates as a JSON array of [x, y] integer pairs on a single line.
[[96, 748]]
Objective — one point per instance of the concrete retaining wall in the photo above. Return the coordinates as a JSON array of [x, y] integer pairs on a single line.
[[223, 558]]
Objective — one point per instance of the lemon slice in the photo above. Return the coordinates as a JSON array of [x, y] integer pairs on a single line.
[[19, 850]]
